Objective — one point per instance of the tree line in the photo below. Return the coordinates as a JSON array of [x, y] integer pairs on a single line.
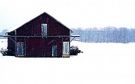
[[108, 34]]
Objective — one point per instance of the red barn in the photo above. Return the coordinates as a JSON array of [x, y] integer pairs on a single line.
[[43, 36]]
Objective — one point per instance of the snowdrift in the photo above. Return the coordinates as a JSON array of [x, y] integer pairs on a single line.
[[100, 63]]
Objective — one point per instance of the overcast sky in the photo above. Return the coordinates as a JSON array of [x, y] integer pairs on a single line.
[[72, 13]]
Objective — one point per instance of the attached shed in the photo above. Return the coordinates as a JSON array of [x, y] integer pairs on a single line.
[[43, 36]]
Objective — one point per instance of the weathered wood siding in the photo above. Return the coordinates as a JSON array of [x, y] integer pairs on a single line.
[[41, 47]]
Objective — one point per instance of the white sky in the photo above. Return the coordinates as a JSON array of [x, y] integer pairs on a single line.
[[72, 13]]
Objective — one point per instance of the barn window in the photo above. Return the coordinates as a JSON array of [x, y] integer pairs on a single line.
[[54, 50], [44, 29], [65, 48], [20, 48]]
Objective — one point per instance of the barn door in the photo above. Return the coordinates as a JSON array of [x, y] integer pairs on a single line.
[[65, 48], [20, 49], [54, 50]]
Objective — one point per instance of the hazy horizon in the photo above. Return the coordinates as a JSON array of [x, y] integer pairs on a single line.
[[72, 13]]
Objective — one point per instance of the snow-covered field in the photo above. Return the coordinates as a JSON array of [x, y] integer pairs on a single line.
[[100, 63]]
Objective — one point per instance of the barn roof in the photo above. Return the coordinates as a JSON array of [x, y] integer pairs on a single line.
[[39, 16]]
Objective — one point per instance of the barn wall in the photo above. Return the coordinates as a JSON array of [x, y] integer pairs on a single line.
[[41, 46], [32, 28], [11, 44], [55, 28]]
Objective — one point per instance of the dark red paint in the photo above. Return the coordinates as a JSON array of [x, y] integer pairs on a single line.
[[38, 46]]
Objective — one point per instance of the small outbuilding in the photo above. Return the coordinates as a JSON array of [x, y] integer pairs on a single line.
[[43, 36]]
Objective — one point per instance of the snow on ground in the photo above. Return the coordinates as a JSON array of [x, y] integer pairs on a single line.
[[100, 63]]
